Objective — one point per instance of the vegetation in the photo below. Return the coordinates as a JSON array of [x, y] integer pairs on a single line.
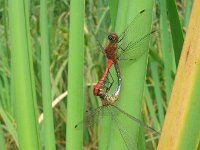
[[45, 54]]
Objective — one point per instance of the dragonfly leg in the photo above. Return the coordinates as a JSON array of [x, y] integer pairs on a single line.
[[123, 49], [121, 38]]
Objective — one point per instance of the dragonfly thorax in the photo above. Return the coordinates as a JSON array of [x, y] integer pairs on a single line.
[[111, 48]]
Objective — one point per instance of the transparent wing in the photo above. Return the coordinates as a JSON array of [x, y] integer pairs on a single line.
[[136, 120], [92, 117], [98, 41], [133, 42], [127, 138]]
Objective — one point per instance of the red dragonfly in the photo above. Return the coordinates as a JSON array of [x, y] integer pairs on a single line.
[[125, 47]]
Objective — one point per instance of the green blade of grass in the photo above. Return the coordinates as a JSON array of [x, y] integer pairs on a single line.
[[158, 93], [21, 77], [105, 133], [102, 18], [75, 101], [165, 47], [5, 71], [133, 77], [176, 29], [30, 58], [9, 125], [141, 139], [113, 4], [187, 12], [155, 56], [150, 107], [2, 141], [5, 21], [182, 122], [49, 138]]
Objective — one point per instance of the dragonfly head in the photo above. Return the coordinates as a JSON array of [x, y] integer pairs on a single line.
[[113, 38]]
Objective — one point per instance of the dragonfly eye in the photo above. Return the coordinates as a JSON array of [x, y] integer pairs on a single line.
[[111, 38]]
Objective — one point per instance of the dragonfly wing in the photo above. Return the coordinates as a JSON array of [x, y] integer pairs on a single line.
[[136, 49], [132, 41], [98, 41], [136, 120], [90, 119], [127, 138]]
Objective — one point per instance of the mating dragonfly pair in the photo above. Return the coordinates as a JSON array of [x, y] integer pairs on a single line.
[[127, 46]]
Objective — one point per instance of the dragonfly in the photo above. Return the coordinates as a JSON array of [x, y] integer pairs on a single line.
[[126, 46], [109, 108]]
